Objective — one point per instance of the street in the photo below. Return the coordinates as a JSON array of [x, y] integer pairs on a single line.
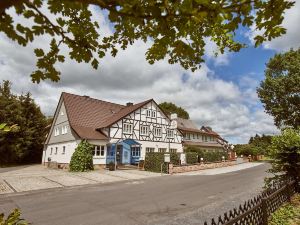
[[158, 200]]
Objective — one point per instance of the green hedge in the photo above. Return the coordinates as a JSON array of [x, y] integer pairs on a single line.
[[153, 161], [191, 157], [208, 156], [82, 158]]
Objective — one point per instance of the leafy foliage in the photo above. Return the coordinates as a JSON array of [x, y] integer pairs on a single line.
[[82, 158], [257, 145], [209, 155], [169, 108], [153, 161], [191, 157], [177, 30], [288, 214], [12, 219], [285, 154], [25, 143], [280, 91], [5, 128]]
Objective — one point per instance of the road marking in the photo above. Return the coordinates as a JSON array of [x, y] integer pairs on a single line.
[[11, 187]]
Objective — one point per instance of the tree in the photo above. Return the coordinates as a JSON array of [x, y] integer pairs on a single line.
[[82, 158], [169, 108], [285, 154], [280, 91], [24, 144], [177, 30]]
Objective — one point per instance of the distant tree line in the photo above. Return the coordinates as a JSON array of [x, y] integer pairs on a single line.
[[257, 145], [25, 143]]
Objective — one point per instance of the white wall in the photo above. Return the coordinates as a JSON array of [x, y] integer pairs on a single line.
[[59, 157], [70, 148]]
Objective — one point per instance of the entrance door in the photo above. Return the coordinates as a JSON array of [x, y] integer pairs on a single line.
[[119, 154]]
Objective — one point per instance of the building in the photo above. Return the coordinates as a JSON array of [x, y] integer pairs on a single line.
[[125, 132], [204, 138]]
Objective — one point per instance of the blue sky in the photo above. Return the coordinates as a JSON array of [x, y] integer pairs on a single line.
[[222, 94]]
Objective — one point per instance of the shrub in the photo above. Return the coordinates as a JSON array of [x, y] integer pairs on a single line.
[[191, 157], [153, 161], [208, 156], [82, 158], [12, 219]]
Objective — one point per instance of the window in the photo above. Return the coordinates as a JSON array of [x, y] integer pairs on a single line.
[[187, 136], [64, 150], [197, 136], [163, 150], [157, 132], [173, 150], [135, 151], [56, 131], [127, 128], [98, 150], [51, 150], [170, 133], [64, 129], [62, 113], [148, 113], [149, 149], [56, 148], [144, 130], [151, 113]]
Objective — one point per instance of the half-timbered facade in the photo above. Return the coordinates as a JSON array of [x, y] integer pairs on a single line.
[[118, 132]]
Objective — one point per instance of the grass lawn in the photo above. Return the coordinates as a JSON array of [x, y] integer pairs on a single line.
[[288, 214]]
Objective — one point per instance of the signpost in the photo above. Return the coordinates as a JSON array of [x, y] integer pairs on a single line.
[[167, 159]]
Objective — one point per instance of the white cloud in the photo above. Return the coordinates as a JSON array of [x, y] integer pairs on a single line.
[[292, 37], [128, 77], [211, 49]]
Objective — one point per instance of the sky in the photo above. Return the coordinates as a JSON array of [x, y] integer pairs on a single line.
[[221, 94]]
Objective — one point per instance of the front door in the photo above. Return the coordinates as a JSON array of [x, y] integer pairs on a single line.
[[119, 154]]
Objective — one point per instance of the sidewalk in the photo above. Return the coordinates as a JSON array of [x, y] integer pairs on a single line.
[[222, 170], [38, 177]]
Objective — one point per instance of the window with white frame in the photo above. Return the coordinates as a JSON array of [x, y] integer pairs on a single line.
[[151, 113], [127, 128], [173, 150], [62, 113], [170, 133], [64, 129], [135, 151], [149, 149], [56, 131], [98, 150], [148, 113], [64, 150], [56, 149], [162, 150], [157, 131], [144, 130], [51, 150], [187, 136]]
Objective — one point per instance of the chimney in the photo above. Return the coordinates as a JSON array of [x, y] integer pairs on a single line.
[[129, 104], [173, 116]]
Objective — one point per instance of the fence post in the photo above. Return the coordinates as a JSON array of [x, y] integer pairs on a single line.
[[264, 207]]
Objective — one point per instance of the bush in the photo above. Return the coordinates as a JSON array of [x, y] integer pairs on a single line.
[[13, 218], [82, 158], [153, 161], [191, 157], [208, 156]]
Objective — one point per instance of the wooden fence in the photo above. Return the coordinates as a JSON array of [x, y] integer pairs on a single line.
[[257, 210]]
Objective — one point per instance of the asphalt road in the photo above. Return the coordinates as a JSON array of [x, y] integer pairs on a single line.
[[162, 200]]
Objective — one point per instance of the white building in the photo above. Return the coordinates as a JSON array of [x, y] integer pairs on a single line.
[[132, 129]]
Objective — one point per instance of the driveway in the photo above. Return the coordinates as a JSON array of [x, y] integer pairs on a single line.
[[36, 177], [158, 200]]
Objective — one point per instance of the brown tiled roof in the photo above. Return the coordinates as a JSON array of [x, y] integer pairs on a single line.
[[202, 144], [122, 113], [86, 115]]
